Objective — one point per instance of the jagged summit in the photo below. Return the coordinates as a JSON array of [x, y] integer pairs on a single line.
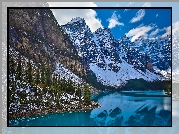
[[103, 29], [77, 48], [77, 19], [106, 55]]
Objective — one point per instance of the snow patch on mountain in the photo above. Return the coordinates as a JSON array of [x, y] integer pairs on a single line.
[[126, 72], [116, 61], [165, 73], [66, 74]]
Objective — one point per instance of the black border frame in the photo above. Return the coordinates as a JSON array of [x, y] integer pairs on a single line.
[[170, 8]]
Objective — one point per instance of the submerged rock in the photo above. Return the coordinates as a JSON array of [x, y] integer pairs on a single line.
[[103, 114], [115, 112]]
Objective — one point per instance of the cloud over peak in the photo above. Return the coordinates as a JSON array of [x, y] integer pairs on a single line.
[[139, 31], [63, 16], [153, 33]]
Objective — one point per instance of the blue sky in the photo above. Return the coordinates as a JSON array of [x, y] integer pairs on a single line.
[[174, 5], [121, 21], [133, 23]]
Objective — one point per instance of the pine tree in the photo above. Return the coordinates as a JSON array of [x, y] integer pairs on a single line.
[[78, 92], [70, 88], [12, 71], [58, 93], [12, 67], [43, 73], [12, 93], [37, 77], [19, 69], [55, 84], [12, 80], [29, 73], [87, 95], [59, 84], [63, 85], [48, 79]]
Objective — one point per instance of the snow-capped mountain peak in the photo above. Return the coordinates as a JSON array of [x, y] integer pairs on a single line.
[[103, 54], [77, 19]]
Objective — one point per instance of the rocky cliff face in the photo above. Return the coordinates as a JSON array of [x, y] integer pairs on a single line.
[[36, 34], [119, 60]]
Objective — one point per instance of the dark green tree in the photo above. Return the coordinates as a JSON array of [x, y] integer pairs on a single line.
[[70, 87], [19, 69], [55, 84], [48, 77], [168, 87], [87, 95], [59, 83], [12, 65], [12, 92], [12, 87], [63, 85], [37, 77], [43, 73], [29, 73], [58, 91], [78, 91]]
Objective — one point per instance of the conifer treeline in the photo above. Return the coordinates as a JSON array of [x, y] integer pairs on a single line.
[[40, 82]]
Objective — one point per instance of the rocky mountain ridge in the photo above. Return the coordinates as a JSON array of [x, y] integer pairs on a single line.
[[100, 51], [37, 35]]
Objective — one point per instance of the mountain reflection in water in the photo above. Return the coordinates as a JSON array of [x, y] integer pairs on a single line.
[[129, 108]]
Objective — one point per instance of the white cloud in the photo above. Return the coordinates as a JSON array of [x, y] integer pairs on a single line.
[[156, 15], [139, 31], [153, 33], [147, 4], [63, 16], [113, 21], [139, 16], [156, 31]]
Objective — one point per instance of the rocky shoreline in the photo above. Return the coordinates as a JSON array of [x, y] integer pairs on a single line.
[[57, 109]]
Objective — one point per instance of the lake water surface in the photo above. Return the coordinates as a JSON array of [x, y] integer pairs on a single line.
[[128, 108]]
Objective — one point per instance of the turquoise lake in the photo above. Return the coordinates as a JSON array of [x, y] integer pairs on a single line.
[[127, 108]]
